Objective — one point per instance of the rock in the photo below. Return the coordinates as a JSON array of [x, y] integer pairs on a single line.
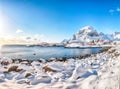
[[48, 69], [12, 68], [28, 74]]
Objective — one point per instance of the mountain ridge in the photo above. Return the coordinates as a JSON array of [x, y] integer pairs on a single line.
[[89, 36]]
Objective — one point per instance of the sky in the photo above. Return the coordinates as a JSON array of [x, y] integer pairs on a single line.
[[35, 21]]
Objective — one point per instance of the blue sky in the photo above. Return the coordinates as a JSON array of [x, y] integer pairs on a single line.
[[55, 20]]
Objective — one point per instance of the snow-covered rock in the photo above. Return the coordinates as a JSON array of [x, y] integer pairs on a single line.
[[5, 61], [88, 36], [44, 79], [116, 35], [99, 71]]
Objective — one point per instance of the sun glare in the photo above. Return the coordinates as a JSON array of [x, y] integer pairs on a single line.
[[3, 24]]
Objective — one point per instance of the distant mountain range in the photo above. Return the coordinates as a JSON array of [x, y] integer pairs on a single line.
[[88, 36]]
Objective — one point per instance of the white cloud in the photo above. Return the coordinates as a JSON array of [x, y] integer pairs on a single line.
[[111, 10], [36, 38], [118, 9], [19, 31], [39, 35], [25, 38]]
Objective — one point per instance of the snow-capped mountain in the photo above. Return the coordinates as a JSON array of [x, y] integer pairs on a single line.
[[116, 35], [88, 36]]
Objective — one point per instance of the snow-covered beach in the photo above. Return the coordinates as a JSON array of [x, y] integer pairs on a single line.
[[97, 71], [91, 71], [59, 44]]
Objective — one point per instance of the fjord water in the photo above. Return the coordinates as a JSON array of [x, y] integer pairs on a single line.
[[37, 52]]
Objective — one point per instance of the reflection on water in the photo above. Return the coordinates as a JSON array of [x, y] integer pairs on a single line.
[[37, 52]]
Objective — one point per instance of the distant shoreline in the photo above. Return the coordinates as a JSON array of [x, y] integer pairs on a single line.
[[32, 45], [65, 58]]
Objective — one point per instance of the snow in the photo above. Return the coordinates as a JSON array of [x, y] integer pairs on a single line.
[[88, 36], [99, 71], [116, 35], [45, 79]]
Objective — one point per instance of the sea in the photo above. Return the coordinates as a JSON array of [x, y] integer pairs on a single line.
[[37, 52]]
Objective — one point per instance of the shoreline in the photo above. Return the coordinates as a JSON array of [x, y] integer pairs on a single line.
[[75, 73], [63, 58], [32, 45]]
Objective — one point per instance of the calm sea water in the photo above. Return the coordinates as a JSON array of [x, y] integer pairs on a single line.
[[37, 52]]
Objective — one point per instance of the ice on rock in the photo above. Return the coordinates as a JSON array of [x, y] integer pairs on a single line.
[[58, 66], [21, 75], [42, 60], [95, 66], [35, 63], [44, 79], [21, 81]]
